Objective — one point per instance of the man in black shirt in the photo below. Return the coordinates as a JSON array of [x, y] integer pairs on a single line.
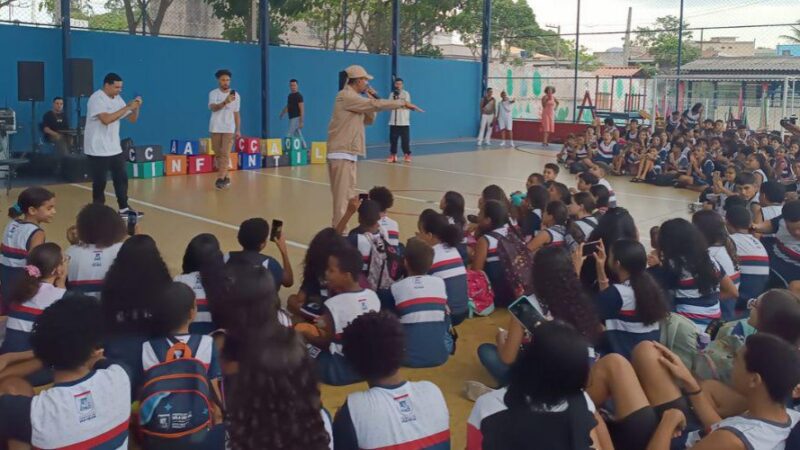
[[296, 109], [53, 123]]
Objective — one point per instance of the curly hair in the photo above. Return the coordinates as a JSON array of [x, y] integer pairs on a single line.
[[68, 331], [100, 225], [274, 401], [316, 259], [374, 344], [558, 288], [132, 284]]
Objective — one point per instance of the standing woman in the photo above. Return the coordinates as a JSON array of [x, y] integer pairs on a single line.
[[549, 105]]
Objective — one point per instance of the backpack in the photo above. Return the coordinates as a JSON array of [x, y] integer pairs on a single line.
[[479, 291], [516, 260], [175, 397], [664, 179], [385, 263], [715, 362], [680, 334]]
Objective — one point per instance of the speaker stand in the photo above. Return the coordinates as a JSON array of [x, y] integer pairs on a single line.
[[79, 128], [34, 143]]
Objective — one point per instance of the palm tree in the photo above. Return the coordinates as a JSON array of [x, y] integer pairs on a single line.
[[795, 36]]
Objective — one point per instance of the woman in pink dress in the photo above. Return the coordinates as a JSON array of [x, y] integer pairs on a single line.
[[549, 105]]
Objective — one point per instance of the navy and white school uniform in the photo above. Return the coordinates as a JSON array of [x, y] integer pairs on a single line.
[[88, 266], [587, 225], [411, 415], [786, 261], [462, 246], [22, 316], [754, 265], [768, 213], [753, 433], [448, 265], [89, 413], [363, 242], [612, 197], [154, 352], [558, 237], [624, 329], [13, 255], [494, 269], [532, 223], [606, 152], [256, 258], [582, 152], [202, 323], [707, 169], [421, 301], [689, 302], [720, 254], [390, 229]]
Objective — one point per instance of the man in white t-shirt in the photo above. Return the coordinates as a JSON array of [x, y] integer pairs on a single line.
[[400, 124], [224, 104], [101, 140]]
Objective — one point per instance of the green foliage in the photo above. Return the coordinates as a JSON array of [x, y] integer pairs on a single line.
[[662, 41], [239, 17], [794, 36]]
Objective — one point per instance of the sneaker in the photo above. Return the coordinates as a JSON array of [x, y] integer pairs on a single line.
[[474, 389], [488, 142], [503, 144], [480, 142], [226, 183], [392, 159], [512, 144], [220, 183], [125, 212], [407, 158]]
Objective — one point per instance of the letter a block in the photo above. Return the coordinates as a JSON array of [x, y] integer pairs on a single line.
[[271, 147], [175, 165], [276, 161], [200, 164], [205, 147], [248, 161], [187, 148], [233, 162], [319, 152], [248, 145], [146, 169], [298, 157]]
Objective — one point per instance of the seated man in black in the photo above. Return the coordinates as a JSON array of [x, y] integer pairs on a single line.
[[53, 123]]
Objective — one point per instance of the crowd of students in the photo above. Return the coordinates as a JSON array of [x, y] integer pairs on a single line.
[[693, 344]]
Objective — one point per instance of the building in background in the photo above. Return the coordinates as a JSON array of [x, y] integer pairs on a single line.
[[728, 46]]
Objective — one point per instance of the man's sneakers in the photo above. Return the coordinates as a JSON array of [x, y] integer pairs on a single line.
[[222, 183], [391, 159], [127, 212], [407, 158]]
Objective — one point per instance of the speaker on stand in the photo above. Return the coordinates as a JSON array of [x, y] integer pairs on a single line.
[[30, 88], [80, 75]]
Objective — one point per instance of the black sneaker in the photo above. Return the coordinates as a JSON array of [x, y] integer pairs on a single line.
[[219, 184], [227, 182], [126, 212]]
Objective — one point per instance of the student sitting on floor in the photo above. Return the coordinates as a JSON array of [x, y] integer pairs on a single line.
[[600, 170], [344, 269], [492, 221], [550, 172], [555, 232], [96, 240], [723, 251], [421, 303], [202, 271], [89, 406], [752, 256], [785, 265], [368, 232], [393, 413], [389, 227], [253, 236], [313, 291]]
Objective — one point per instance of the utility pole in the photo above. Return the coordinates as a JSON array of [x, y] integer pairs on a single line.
[[701, 41], [626, 47], [680, 57], [577, 54], [558, 41]]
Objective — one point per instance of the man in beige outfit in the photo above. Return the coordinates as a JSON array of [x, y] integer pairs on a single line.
[[355, 107]]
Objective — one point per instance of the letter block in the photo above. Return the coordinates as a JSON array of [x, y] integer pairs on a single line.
[[179, 147], [145, 153], [145, 169], [298, 157], [271, 147], [276, 161], [291, 144], [248, 145], [175, 165], [249, 161], [206, 148], [200, 164], [319, 152], [233, 162]]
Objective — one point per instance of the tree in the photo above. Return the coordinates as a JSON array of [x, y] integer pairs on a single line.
[[794, 37], [662, 41], [239, 17]]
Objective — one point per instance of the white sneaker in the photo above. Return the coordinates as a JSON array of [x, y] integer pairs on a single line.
[[474, 389], [503, 144], [488, 142], [480, 142], [512, 144]]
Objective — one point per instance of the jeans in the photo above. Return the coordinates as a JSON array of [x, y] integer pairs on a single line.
[[99, 166], [295, 130], [490, 358], [402, 133]]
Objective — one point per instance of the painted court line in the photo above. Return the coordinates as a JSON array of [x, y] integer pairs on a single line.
[[185, 214]]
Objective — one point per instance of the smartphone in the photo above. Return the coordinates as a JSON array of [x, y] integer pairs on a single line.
[[527, 313], [277, 229], [233, 92], [362, 197], [133, 219], [590, 248]]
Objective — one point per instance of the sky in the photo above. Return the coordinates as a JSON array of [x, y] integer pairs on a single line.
[[611, 15]]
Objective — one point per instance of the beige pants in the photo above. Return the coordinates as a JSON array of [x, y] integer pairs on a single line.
[[342, 174], [222, 143]]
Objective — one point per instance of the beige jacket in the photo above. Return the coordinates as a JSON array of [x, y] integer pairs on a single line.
[[351, 112]]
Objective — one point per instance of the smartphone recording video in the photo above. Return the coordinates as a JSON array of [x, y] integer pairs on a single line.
[[590, 248], [527, 313], [277, 230]]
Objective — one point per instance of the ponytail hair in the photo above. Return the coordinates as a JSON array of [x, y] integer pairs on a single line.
[[32, 197], [437, 224], [454, 207], [651, 306], [43, 260]]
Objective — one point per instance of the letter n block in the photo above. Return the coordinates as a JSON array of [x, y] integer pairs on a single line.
[[298, 157], [200, 164], [276, 161], [248, 145], [319, 152], [250, 161], [175, 165], [271, 147]]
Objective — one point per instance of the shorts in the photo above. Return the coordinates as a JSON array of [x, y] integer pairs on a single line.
[[505, 123], [634, 432]]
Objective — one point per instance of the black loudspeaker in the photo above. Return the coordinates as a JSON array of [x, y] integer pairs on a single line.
[[74, 168], [30, 81], [81, 74]]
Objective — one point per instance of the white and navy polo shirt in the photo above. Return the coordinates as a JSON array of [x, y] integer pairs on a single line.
[[754, 433], [390, 229], [412, 415], [22, 316], [202, 322], [154, 352], [420, 302], [587, 225], [753, 264], [720, 254], [363, 242], [88, 266], [92, 412], [624, 328], [449, 266], [690, 303], [768, 213], [606, 152], [16, 242], [787, 251], [612, 197], [345, 308]]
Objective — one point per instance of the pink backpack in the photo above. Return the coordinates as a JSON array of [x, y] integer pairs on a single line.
[[481, 297]]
